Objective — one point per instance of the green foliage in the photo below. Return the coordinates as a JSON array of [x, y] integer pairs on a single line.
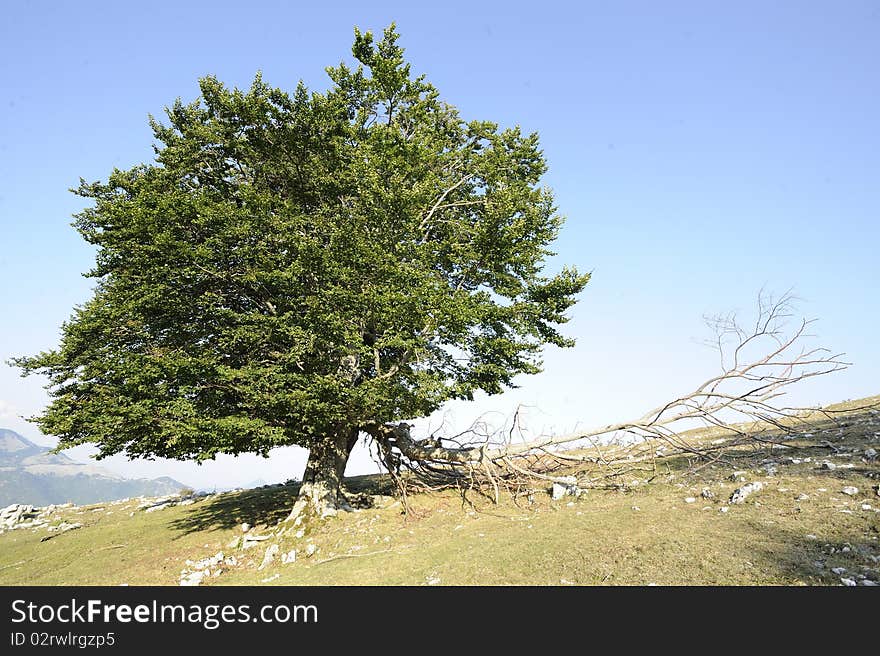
[[293, 263]]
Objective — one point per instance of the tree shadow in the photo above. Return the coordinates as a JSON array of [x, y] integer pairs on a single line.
[[812, 559], [266, 506]]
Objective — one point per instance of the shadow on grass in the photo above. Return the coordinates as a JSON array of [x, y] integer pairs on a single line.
[[262, 506], [811, 560]]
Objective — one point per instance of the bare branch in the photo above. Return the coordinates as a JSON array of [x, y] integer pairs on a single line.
[[757, 368]]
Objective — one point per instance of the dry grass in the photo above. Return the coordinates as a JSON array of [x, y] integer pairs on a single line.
[[646, 533]]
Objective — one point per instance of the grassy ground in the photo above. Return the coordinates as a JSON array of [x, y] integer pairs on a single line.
[[793, 532]]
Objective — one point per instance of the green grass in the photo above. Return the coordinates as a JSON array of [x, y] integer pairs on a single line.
[[645, 534]]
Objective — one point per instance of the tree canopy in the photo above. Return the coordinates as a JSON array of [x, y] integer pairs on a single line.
[[294, 263]]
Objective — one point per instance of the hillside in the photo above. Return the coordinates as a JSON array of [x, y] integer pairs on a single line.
[[32, 474], [816, 521]]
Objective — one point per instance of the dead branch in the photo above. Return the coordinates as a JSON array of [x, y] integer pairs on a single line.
[[757, 366]]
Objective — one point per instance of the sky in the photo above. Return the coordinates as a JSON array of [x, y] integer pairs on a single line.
[[700, 151]]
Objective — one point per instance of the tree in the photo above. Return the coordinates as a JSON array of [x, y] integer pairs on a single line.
[[301, 269]]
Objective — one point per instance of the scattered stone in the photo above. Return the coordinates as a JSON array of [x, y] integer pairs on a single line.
[[192, 578], [158, 506], [565, 487], [868, 582], [738, 476], [867, 506], [850, 490], [432, 580], [828, 466], [245, 527], [723, 509], [271, 552], [848, 582], [840, 571], [802, 497], [689, 500], [810, 536], [269, 579], [770, 469], [311, 550], [253, 540], [289, 557], [707, 493], [870, 454], [739, 495], [234, 543]]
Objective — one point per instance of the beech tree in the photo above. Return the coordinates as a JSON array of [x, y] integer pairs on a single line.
[[305, 268]]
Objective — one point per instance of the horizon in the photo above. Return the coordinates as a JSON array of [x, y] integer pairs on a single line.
[[699, 154]]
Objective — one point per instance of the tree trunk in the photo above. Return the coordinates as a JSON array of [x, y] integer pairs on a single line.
[[320, 494]]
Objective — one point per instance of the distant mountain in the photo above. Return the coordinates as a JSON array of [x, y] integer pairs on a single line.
[[29, 473]]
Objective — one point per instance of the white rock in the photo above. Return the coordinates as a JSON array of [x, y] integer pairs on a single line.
[[739, 495], [850, 490], [840, 571], [269, 579], [271, 552], [869, 582], [689, 499], [245, 527], [560, 490], [193, 578], [255, 538], [289, 557], [867, 506], [311, 549], [802, 497], [848, 582]]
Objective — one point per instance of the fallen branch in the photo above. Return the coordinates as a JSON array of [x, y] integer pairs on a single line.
[[741, 399]]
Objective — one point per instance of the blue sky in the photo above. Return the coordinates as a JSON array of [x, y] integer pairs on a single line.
[[700, 150]]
